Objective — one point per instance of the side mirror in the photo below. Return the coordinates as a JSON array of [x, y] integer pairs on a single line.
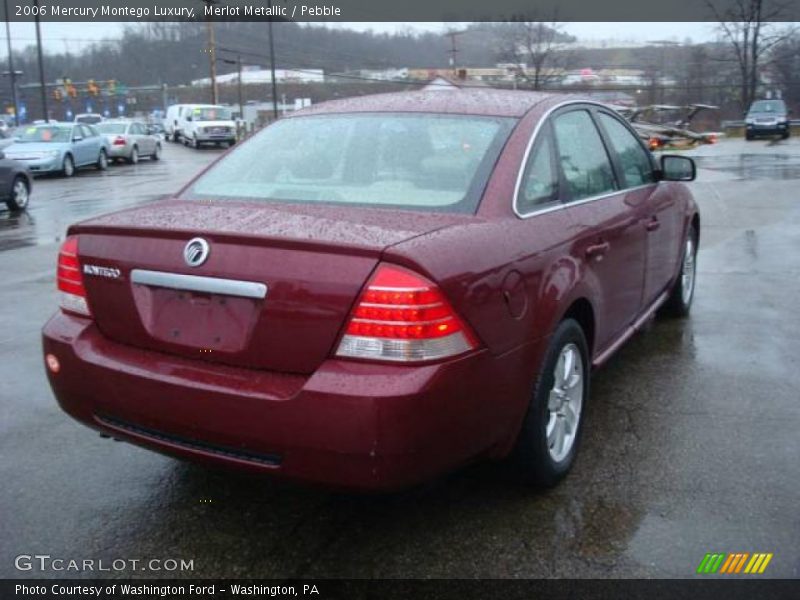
[[677, 168]]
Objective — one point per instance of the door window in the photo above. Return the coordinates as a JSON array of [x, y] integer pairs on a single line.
[[637, 168], [540, 178], [583, 157]]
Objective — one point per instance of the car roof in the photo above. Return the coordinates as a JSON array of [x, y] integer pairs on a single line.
[[488, 102]]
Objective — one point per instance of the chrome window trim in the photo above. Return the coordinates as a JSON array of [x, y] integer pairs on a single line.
[[529, 149], [197, 283]]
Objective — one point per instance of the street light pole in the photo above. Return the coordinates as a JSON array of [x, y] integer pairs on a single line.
[[11, 73], [272, 65], [43, 87], [239, 67]]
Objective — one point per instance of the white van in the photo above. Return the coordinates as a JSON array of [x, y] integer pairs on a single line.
[[172, 120], [206, 124]]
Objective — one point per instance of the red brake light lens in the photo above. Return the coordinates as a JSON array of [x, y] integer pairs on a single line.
[[402, 316], [70, 279], [119, 141]]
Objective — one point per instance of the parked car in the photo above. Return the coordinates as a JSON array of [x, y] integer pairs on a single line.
[[89, 118], [157, 129], [410, 282], [7, 137], [16, 183], [172, 121], [207, 124], [129, 140], [59, 148], [767, 117]]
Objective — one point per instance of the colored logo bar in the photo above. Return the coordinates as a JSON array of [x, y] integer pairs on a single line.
[[734, 563]]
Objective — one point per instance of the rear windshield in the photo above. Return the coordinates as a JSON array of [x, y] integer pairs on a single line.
[[771, 106], [417, 161], [112, 127], [90, 119]]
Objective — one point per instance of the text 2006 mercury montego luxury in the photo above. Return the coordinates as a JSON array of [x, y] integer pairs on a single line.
[[376, 290]]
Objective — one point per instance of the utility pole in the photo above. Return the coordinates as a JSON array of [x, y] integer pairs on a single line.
[[212, 49], [212, 53], [272, 64], [453, 49], [43, 87], [11, 72]]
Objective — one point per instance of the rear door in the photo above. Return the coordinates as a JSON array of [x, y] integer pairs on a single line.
[[609, 238]]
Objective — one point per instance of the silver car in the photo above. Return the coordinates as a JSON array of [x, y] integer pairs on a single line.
[[129, 140]]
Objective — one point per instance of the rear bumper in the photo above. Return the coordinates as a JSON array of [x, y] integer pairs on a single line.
[[351, 425], [119, 151]]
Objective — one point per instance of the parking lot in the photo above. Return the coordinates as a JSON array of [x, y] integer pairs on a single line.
[[691, 442]]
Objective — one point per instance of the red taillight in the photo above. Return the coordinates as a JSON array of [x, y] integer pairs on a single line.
[[655, 143], [401, 316], [118, 141], [70, 280]]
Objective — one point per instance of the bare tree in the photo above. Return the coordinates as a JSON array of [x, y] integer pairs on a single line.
[[785, 67], [536, 50], [750, 28]]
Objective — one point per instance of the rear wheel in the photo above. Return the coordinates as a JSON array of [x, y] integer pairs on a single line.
[[134, 157], [68, 166], [102, 161], [20, 194], [680, 298], [550, 435]]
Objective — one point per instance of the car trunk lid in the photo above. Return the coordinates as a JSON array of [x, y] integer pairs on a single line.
[[276, 288]]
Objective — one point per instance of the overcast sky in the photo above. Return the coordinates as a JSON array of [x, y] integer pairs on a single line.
[[59, 37]]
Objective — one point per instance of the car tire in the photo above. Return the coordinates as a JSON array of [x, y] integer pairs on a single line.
[[785, 135], [548, 441], [156, 155], [748, 136], [20, 194], [195, 144], [102, 161], [68, 166], [681, 295], [134, 157]]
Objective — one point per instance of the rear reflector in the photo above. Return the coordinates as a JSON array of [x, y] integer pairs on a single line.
[[70, 280], [402, 316]]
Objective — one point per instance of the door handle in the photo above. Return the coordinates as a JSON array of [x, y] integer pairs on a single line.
[[597, 250], [653, 224]]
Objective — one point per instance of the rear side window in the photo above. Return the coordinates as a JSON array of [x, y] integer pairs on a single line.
[[405, 160], [584, 161], [637, 168], [540, 179]]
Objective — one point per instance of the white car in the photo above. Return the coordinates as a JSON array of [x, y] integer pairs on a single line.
[[130, 141]]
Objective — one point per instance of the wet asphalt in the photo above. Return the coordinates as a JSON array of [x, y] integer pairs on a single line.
[[691, 441]]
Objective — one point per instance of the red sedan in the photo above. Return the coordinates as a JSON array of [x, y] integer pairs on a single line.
[[377, 290]]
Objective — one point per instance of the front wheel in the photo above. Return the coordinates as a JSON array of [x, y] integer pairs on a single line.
[[68, 166], [551, 432], [20, 194], [102, 161], [156, 155], [680, 298]]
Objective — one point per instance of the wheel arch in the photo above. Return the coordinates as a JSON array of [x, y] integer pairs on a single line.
[[582, 311]]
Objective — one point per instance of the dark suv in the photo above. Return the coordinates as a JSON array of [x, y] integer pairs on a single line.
[[767, 117]]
